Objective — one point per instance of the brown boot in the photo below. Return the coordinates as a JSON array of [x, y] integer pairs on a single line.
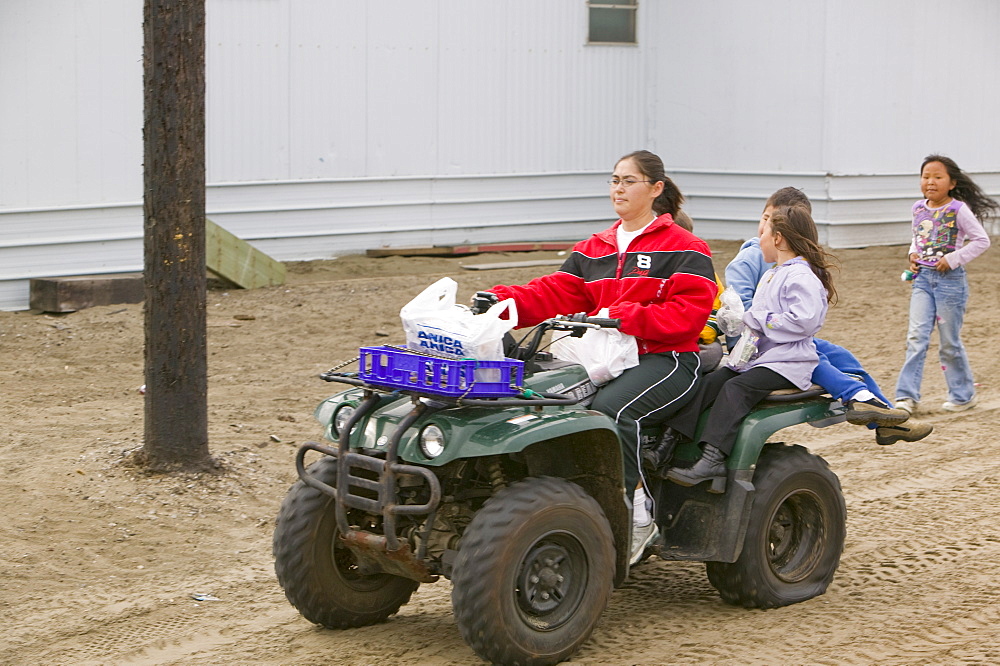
[[863, 412], [911, 431]]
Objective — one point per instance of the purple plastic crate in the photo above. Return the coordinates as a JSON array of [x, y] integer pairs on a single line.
[[468, 378]]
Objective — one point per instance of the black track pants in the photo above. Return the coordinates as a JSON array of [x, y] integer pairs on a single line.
[[649, 393]]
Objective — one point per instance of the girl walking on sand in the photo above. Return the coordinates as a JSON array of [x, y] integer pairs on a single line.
[[947, 235]]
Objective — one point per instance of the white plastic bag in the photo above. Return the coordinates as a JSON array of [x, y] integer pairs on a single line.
[[729, 316], [604, 352], [434, 323]]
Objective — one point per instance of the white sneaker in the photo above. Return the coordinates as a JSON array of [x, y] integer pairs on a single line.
[[907, 404], [959, 406], [642, 537]]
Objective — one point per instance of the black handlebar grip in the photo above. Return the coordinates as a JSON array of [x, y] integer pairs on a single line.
[[483, 301], [603, 322]]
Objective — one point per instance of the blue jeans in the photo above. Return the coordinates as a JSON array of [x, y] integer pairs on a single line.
[[834, 361], [937, 298]]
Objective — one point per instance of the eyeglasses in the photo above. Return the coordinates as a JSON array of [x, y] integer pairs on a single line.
[[627, 182]]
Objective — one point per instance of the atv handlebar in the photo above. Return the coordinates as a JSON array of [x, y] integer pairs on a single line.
[[483, 301], [589, 322], [577, 324]]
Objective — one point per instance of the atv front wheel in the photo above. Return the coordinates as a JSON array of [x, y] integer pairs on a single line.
[[534, 573], [795, 533], [319, 573]]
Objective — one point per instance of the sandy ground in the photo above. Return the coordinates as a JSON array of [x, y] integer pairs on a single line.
[[101, 563]]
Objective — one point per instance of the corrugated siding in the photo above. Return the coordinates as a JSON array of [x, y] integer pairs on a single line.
[[334, 126], [70, 102], [840, 87], [70, 140], [301, 90], [331, 127], [917, 82]]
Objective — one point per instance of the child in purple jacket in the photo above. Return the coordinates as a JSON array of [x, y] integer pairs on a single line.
[[776, 350]]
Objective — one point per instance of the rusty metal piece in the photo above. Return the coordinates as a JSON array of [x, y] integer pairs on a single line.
[[372, 552]]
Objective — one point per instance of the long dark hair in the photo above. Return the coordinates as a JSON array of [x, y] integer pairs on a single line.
[[965, 189], [651, 166], [796, 226]]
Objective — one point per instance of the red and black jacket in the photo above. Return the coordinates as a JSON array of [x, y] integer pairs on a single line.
[[662, 289]]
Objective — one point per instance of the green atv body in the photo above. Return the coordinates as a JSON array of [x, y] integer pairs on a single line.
[[520, 502]]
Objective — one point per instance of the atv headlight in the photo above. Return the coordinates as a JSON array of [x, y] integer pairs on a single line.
[[324, 412], [341, 417], [432, 441]]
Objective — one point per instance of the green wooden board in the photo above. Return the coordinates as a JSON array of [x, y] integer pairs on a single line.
[[239, 262]]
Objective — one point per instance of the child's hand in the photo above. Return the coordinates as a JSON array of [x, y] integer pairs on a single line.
[[914, 266], [942, 265]]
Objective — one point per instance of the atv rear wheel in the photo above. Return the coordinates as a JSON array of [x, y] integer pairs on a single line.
[[534, 572], [319, 573], [795, 533]]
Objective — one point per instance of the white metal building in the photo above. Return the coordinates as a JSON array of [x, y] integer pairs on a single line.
[[337, 126]]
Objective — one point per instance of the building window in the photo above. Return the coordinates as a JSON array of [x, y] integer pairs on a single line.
[[612, 21]]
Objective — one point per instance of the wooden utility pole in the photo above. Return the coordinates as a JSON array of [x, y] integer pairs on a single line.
[[176, 423]]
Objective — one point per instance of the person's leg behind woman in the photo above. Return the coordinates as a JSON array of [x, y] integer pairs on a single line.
[[707, 389], [683, 424]]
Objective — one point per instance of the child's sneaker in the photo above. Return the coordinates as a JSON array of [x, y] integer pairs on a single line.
[[908, 404], [863, 412], [911, 431], [959, 406]]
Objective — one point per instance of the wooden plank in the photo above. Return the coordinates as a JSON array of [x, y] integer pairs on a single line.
[[513, 264], [408, 251], [479, 248], [511, 247], [76, 292], [234, 259]]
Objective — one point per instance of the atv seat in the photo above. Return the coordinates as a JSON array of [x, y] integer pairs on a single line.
[[793, 394]]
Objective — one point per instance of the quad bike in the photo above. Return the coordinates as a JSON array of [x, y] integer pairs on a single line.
[[496, 475]]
